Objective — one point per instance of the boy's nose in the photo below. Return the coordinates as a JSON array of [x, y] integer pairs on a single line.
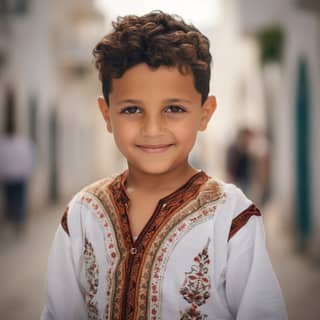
[[152, 125]]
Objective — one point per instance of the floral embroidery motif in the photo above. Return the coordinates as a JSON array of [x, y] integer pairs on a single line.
[[92, 273], [196, 286]]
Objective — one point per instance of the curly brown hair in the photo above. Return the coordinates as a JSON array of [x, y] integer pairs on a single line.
[[157, 39]]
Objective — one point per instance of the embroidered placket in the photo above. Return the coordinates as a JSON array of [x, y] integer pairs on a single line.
[[136, 249]]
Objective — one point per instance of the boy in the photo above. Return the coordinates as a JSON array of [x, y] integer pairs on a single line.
[[161, 240]]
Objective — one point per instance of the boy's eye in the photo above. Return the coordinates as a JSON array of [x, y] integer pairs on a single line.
[[131, 110], [175, 109]]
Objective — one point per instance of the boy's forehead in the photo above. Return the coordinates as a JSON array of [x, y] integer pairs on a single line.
[[141, 80]]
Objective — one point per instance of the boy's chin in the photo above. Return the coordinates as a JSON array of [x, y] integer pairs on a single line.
[[151, 169]]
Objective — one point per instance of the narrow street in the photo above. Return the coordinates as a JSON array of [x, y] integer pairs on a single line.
[[23, 266], [24, 259]]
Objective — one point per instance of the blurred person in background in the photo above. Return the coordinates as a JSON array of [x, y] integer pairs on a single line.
[[239, 160], [247, 163], [16, 162], [260, 151]]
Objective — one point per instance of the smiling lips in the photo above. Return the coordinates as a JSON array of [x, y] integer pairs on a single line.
[[158, 148]]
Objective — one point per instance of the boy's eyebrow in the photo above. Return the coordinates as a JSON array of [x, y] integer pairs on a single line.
[[132, 101], [171, 100], [177, 100]]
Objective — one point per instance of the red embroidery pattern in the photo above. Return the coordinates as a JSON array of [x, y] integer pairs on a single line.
[[115, 209], [239, 221], [110, 242], [64, 221], [92, 274], [196, 286]]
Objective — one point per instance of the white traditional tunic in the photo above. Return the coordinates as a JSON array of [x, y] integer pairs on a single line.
[[201, 255]]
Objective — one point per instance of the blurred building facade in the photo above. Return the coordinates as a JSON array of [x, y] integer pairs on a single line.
[[288, 34], [46, 62], [236, 82], [266, 68]]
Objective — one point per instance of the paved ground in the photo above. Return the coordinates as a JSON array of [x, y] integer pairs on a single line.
[[24, 259], [299, 277], [23, 266]]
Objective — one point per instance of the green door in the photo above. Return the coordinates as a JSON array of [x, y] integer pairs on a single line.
[[303, 183]]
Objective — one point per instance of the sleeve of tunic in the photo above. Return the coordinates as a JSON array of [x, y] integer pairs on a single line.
[[64, 292], [252, 289]]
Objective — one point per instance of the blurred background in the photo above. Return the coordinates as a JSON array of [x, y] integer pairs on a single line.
[[263, 137]]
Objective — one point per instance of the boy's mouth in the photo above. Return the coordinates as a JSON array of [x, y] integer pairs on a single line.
[[154, 148]]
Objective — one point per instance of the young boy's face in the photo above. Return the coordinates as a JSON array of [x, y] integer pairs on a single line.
[[154, 116]]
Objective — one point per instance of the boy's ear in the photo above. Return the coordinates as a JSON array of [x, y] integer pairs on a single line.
[[207, 110], [104, 109]]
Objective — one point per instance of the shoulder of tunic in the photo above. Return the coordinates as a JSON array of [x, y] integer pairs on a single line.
[[209, 193], [231, 194], [99, 186], [98, 189], [243, 209], [238, 209]]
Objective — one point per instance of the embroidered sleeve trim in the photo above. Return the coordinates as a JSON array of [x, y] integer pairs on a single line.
[[239, 221], [64, 221]]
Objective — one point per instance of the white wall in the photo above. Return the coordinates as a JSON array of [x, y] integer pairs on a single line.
[[236, 83], [39, 66], [302, 39]]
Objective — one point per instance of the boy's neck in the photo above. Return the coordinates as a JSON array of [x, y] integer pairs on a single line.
[[153, 183]]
